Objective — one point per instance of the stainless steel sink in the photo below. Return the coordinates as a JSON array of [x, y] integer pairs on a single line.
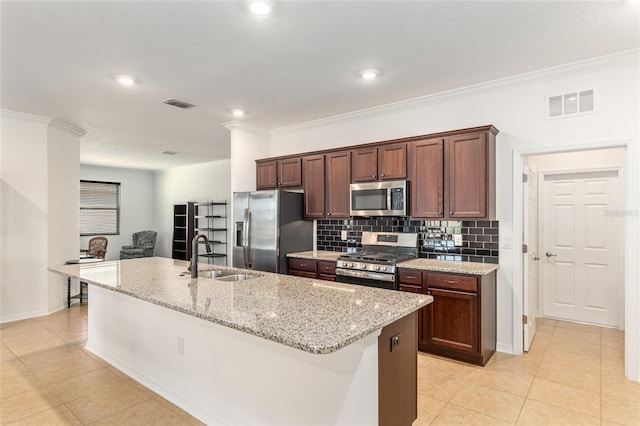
[[236, 277], [214, 273]]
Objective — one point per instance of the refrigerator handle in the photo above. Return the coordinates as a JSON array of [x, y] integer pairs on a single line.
[[245, 246]]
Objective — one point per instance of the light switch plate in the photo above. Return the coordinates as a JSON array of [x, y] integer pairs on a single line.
[[457, 240], [343, 235]]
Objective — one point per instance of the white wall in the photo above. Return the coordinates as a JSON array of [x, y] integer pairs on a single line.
[[39, 168], [201, 182], [516, 106], [248, 143], [136, 204]]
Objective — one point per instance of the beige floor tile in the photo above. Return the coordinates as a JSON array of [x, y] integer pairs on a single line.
[[13, 368], [491, 402], [26, 404], [546, 322], [536, 413], [144, 413], [579, 327], [620, 411], [575, 335], [34, 341], [524, 364], [438, 386], [19, 384], [502, 380], [446, 366], [538, 346], [454, 415], [66, 369], [607, 352], [585, 362], [574, 346], [96, 406], [620, 387], [579, 400], [542, 329], [77, 387], [612, 367], [613, 332], [18, 328], [57, 416], [6, 355], [55, 356], [73, 336], [428, 409], [570, 376], [612, 341]]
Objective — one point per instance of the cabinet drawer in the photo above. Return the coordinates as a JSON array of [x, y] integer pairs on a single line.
[[410, 288], [327, 277], [302, 264], [409, 276], [326, 267], [453, 282], [305, 274]]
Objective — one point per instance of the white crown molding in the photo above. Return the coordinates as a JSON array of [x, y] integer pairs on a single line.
[[235, 125], [195, 166], [588, 65], [45, 120]]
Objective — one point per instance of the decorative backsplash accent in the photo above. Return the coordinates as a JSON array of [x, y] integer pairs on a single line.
[[480, 239]]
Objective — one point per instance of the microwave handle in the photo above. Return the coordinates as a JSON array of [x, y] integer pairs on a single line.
[[389, 201]]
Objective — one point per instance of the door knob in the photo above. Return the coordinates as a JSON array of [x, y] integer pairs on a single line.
[[549, 254], [536, 258]]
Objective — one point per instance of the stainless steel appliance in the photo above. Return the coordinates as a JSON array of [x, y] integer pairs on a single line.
[[266, 226], [387, 198], [375, 265]]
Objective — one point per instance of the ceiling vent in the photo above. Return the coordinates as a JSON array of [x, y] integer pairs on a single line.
[[570, 104], [169, 152], [178, 104]]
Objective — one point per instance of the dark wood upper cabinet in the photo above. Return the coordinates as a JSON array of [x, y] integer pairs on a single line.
[[427, 178], [364, 165], [266, 175], [290, 172], [314, 186], [467, 175], [338, 177], [392, 162], [384, 163]]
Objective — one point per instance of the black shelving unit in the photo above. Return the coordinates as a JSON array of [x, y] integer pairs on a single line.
[[211, 220], [183, 230]]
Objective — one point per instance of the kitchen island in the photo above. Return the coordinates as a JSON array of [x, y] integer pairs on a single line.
[[272, 349]]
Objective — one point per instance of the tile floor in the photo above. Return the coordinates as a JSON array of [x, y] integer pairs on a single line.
[[573, 375]]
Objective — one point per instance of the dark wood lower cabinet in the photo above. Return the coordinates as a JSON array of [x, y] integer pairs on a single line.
[[397, 373], [310, 268], [461, 322]]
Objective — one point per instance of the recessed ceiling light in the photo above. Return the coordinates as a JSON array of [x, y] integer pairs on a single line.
[[260, 8], [237, 112], [369, 74], [126, 80]]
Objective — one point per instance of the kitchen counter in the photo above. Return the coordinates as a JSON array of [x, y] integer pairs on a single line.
[[310, 315], [471, 268], [271, 350], [317, 255]]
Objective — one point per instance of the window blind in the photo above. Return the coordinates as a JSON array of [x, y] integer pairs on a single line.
[[99, 208]]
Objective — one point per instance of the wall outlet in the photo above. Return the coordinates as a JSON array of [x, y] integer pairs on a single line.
[[180, 346], [343, 235], [457, 240], [395, 342]]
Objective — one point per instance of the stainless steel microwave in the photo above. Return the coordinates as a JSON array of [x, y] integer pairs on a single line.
[[388, 198]]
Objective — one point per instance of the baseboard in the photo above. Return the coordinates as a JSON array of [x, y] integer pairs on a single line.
[[504, 348], [23, 315]]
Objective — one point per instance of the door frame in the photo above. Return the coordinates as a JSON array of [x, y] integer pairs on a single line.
[[631, 226], [621, 236]]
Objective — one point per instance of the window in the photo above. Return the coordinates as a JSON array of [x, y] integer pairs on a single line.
[[99, 208]]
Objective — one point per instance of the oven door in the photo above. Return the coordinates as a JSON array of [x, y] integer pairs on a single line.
[[369, 279]]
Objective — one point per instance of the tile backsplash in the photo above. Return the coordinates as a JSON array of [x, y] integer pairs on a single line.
[[480, 239]]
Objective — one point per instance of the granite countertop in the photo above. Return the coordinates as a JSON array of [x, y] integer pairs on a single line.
[[315, 316], [317, 255], [472, 268]]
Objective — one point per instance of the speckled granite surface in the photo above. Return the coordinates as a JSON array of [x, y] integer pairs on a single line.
[[472, 268], [311, 315], [317, 255]]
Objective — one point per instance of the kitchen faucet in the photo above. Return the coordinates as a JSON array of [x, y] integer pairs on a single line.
[[194, 253]]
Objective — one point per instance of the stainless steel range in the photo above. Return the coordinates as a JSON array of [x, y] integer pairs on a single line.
[[375, 265]]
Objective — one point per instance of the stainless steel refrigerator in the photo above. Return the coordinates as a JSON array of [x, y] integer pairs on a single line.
[[266, 226]]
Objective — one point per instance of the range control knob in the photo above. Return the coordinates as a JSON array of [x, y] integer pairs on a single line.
[[363, 266], [377, 267], [384, 268]]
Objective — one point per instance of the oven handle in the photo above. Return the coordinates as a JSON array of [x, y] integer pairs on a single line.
[[391, 278]]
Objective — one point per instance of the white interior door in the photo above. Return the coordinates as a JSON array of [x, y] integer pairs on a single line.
[[530, 257], [581, 243]]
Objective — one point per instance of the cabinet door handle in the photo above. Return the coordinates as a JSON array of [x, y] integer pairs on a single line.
[[411, 277], [429, 293], [373, 176], [302, 265], [382, 175], [451, 282]]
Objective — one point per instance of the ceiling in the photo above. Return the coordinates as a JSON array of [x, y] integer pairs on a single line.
[[301, 63]]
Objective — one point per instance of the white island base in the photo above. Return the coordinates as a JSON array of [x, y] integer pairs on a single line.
[[227, 377]]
